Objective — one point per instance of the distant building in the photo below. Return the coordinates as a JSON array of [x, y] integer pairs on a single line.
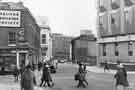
[[84, 49], [116, 31], [45, 38], [85, 32], [61, 46], [19, 36]]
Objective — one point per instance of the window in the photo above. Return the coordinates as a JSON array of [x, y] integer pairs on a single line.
[[44, 51], [43, 38], [112, 20], [116, 49], [12, 37], [104, 49], [130, 48]]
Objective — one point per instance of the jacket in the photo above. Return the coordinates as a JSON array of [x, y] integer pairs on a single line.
[[28, 80]]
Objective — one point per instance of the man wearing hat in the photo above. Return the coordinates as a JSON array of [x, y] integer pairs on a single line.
[[121, 78]]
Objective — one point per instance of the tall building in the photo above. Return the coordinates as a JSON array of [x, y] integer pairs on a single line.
[[19, 36], [45, 38], [116, 31], [61, 46], [84, 49]]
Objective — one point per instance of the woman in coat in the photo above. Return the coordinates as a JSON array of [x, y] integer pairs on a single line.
[[28, 79]]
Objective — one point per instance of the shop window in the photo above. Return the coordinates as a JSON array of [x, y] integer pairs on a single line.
[[116, 49], [130, 48]]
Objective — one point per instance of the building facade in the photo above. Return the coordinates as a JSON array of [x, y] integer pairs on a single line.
[[45, 38], [46, 43], [20, 36], [116, 31], [61, 46], [84, 49]]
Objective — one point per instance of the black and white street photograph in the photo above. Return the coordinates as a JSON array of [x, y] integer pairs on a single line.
[[67, 44]]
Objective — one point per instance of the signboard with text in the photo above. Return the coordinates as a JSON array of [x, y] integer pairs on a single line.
[[10, 18]]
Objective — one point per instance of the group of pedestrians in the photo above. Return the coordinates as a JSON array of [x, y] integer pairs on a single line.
[[28, 78], [80, 76], [46, 79]]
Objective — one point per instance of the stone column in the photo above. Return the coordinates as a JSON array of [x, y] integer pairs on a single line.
[[17, 59]]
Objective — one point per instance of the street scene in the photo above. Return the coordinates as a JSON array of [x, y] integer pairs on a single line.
[[67, 44]]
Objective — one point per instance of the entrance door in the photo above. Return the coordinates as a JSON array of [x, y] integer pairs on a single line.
[[22, 59]]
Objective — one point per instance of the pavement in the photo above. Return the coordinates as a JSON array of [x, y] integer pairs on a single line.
[[97, 69]]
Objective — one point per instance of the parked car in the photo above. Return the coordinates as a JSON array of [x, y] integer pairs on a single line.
[[62, 61], [52, 69]]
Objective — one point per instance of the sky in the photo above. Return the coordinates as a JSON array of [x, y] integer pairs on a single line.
[[65, 16]]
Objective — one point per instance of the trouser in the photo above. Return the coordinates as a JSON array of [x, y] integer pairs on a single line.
[[47, 82], [85, 81], [42, 81], [81, 84]]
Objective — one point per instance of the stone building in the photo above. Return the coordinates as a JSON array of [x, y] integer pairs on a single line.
[[116, 31]]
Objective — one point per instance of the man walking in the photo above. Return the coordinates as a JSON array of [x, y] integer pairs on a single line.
[[121, 78], [106, 67], [81, 77], [28, 79]]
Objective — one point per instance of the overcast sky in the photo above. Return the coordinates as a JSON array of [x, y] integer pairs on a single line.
[[65, 16]]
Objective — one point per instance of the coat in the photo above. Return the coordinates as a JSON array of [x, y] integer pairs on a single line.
[[28, 80], [121, 78], [46, 74]]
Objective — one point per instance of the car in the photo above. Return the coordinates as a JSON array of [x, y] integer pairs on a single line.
[[62, 61], [52, 69]]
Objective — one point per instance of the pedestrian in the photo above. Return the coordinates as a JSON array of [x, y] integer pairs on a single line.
[[44, 75], [28, 79], [16, 73], [49, 80], [81, 77], [121, 78], [85, 72], [106, 67]]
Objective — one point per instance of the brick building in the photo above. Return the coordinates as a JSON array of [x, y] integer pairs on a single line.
[[61, 46], [20, 36], [116, 31], [84, 49]]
